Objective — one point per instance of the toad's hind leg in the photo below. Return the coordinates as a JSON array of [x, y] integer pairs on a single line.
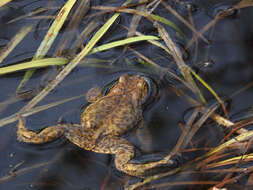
[[124, 154], [46, 135]]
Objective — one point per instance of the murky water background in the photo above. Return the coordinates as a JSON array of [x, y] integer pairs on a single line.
[[61, 165]]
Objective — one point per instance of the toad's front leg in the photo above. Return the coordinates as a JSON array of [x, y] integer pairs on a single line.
[[46, 135]]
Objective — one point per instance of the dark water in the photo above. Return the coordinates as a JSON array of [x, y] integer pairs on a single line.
[[61, 165]]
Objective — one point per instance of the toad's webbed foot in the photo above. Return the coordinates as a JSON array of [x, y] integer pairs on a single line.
[[46, 135]]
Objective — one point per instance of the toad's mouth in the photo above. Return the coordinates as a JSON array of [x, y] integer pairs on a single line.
[[151, 84]]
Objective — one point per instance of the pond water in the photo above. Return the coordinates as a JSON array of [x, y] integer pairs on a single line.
[[225, 64]]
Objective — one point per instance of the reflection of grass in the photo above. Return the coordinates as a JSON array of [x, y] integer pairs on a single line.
[[14, 42], [216, 157], [18, 172], [34, 110]]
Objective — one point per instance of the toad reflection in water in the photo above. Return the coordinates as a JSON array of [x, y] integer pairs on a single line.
[[103, 124]]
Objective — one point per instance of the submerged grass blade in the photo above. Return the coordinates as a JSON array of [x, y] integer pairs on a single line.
[[160, 45], [33, 64], [14, 42], [210, 90], [28, 15], [88, 30], [244, 158], [122, 42], [76, 18], [3, 2], [72, 64], [49, 38], [135, 21], [169, 23], [195, 86], [14, 117], [95, 38], [239, 138], [146, 15], [177, 55], [184, 21]]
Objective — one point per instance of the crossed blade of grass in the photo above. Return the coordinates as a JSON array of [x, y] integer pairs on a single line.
[[182, 142], [189, 131], [49, 38], [52, 33], [45, 62], [39, 61], [56, 26], [14, 117], [72, 63], [77, 59]]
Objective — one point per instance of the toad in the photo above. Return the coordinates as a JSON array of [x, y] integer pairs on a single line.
[[103, 124]]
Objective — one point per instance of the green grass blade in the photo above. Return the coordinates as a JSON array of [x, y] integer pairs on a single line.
[[54, 29], [49, 38], [14, 42], [39, 63], [210, 90], [243, 158], [169, 23], [160, 45], [122, 42], [3, 2], [156, 43], [96, 37], [188, 77], [240, 138]]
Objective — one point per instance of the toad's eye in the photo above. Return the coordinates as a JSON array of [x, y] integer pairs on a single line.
[[139, 84], [122, 79], [115, 90]]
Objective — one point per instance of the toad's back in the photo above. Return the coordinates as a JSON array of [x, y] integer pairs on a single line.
[[112, 114]]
